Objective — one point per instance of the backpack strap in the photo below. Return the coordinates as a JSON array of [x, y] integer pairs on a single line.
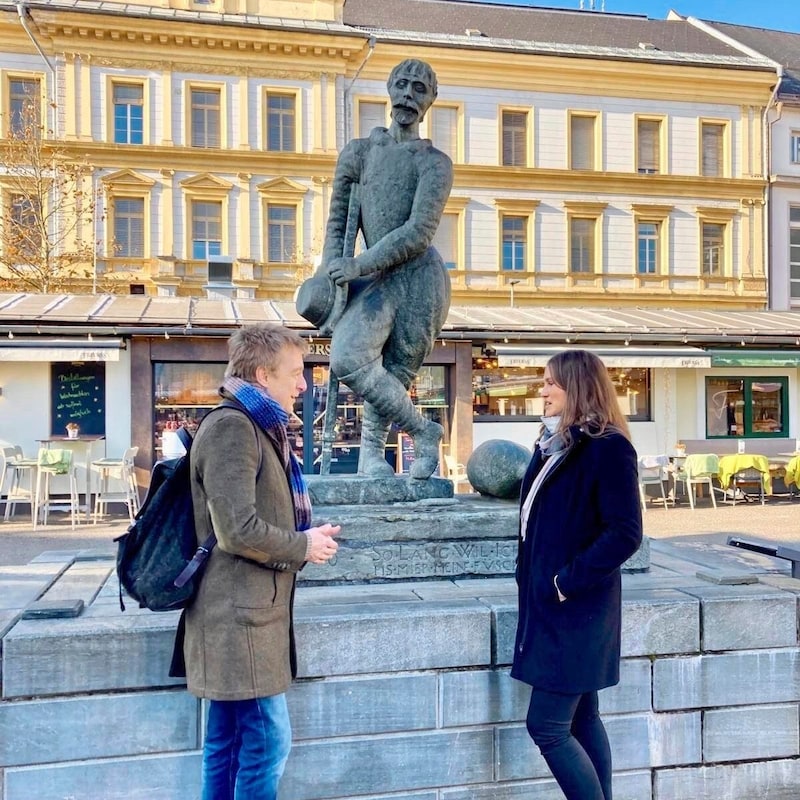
[[204, 550]]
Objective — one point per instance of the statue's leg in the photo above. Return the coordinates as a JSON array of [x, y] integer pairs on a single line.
[[390, 401], [374, 432]]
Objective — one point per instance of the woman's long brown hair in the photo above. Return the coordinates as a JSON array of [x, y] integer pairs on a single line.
[[590, 394]]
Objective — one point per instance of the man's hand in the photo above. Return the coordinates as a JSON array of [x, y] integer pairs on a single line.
[[323, 545], [343, 270]]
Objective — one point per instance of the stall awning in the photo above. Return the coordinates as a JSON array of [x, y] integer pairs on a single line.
[[755, 358], [520, 355], [43, 348]]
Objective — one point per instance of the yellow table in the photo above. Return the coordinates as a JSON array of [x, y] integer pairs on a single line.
[[730, 465]]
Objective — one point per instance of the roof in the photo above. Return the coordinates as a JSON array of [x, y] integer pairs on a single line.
[[492, 24], [782, 47], [138, 314]]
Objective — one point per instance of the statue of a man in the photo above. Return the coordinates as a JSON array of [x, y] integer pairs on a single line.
[[398, 289]]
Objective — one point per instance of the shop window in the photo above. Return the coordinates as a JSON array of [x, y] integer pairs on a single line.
[[500, 392], [747, 407], [184, 394], [427, 392]]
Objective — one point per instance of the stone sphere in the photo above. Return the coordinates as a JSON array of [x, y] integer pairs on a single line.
[[497, 467]]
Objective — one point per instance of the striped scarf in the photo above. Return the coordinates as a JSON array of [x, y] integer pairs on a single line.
[[273, 419]]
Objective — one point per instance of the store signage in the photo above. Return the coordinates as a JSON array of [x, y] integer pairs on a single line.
[[322, 348], [754, 359], [612, 360]]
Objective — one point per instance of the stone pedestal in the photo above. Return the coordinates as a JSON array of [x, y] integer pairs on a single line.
[[433, 534]]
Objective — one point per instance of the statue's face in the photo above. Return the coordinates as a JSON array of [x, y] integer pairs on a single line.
[[411, 97]]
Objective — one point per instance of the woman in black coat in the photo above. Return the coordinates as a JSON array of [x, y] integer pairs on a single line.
[[580, 519]]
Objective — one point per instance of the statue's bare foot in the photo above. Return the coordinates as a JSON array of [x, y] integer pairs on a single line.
[[374, 465], [426, 450]]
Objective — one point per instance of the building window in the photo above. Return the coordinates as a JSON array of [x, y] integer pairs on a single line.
[[647, 239], [515, 241], [794, 253], [24, 97], [795, 141], [712, 145], [500, 391], [128, 101], [753, 407], [444, 129], [25, 241], [206, 229], [582, 131], [371, 115], [136, 288], [515, 138], [129, 227], [205, 116], [446, 240], [648, 146], [281, 122], [281, 233], [581, 244], [713, 248]]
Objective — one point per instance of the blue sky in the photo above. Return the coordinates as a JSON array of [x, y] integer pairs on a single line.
[[778, 14]]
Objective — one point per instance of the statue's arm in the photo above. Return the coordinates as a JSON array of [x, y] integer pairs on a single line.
[[416, 234], [346, 174]]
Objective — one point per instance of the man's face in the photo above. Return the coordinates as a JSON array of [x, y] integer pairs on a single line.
[[411, 97], [285, 382]]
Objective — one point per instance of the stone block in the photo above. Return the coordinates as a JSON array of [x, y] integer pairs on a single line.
[[23, 585], [504, 628], [626, 785], [486, 697], [99, 726], [750, 733], [158, 777], [54, 609], [464, 536], [726, 679], [366, 765], [658, 622], [638, 741], [733, 617], [94, 655], [763, 780], [389, 638], [385, 704], [357, 490]]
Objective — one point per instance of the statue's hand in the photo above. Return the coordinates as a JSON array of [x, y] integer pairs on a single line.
[[343, 270]]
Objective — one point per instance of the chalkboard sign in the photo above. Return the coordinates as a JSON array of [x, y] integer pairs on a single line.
[[78, 394]]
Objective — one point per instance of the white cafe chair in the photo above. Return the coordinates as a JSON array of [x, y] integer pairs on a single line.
[[652, 472], [20, 472], [116, 484], [53, 462]]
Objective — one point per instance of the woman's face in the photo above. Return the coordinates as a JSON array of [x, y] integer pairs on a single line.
[[554, 396]]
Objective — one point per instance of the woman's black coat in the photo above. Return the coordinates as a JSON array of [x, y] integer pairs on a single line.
[[585, 523]]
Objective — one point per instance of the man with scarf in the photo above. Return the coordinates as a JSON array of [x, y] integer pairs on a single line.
[[248, 488]]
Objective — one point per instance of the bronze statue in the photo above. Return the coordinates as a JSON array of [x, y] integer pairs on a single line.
[[391, 299]]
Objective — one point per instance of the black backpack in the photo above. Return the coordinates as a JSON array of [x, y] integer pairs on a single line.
[[159, 563]]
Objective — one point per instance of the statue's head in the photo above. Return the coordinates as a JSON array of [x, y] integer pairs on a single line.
[[412, 89]]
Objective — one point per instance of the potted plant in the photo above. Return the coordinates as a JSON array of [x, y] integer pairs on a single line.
[[72, 430]]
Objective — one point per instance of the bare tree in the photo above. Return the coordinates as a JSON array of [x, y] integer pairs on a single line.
[[47, 241]]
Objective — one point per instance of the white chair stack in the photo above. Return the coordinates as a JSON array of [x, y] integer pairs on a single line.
[[116, 484]]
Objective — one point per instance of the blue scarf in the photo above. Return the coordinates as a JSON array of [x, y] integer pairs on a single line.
[[272, 419]]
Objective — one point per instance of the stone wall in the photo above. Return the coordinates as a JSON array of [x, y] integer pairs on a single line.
[[404, 691]]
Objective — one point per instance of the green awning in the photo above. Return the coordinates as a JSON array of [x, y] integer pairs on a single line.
[[755, 358]]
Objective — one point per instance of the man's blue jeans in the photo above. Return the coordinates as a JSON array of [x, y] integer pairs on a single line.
[[247, 744]]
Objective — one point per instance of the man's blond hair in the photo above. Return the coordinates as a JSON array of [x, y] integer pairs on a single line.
[[257, 346]]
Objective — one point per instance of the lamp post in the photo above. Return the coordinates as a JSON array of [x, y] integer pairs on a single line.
[[512, 284]]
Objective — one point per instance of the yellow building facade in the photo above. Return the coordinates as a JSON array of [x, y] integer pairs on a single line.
[[584, 173]]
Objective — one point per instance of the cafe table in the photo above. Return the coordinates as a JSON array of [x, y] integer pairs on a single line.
[[85, 448], [731, 464]]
